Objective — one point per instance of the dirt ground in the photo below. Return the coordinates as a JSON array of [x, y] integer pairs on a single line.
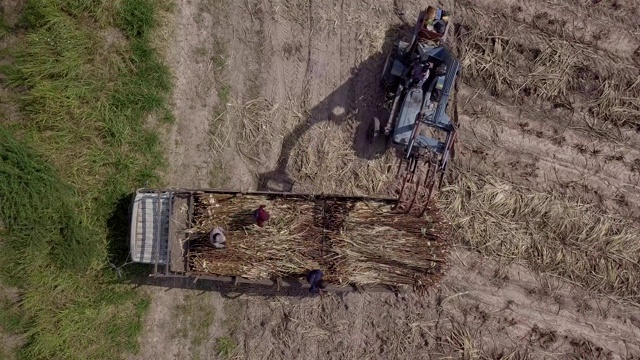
[[276, 95], [480, 309]]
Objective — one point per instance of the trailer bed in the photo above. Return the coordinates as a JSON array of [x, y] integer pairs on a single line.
[[355, 241]]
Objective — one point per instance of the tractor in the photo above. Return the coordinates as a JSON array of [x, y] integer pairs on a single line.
[[419, 76]]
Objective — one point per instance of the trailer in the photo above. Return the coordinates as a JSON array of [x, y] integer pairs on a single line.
[[360, 243]]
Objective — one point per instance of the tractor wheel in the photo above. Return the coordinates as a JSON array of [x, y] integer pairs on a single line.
[[373, 131]]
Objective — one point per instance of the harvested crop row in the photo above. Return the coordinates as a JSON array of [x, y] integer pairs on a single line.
[[553, 235], [541, 58]]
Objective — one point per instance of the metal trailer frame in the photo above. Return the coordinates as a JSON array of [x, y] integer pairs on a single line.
[[279, 283]]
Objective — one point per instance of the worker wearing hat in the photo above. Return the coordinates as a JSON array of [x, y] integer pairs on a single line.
[[217, 239]]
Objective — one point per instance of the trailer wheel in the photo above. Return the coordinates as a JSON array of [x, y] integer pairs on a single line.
[[373, 131]]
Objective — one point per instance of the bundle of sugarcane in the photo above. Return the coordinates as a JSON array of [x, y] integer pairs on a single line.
[[378, 246], [354, 242]]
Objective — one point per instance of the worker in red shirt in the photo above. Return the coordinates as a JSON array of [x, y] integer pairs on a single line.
[[261, 215]]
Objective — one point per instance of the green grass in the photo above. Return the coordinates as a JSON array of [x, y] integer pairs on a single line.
[[10, 318], [233, 311], [219, 54], [71, 309], [193, 319], [218, 176], [87, 78], [224, 93], [4, 29], [225, 346], [200, 52]]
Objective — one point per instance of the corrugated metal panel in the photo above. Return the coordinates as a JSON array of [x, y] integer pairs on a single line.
[[144, 227]]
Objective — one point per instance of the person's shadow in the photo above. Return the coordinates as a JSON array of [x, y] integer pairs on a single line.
[[362, 96]]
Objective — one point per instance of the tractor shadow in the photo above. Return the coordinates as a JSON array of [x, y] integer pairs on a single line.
[[361, 97]]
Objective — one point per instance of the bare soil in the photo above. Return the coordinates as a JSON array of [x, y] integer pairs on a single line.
[[480, 309], [276, 95]]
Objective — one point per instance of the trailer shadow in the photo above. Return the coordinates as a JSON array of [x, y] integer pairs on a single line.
[[117, 228], [226, 290], [361, 96]]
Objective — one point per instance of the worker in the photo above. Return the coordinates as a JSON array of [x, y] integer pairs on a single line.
[[439, 26], [314, 277], [261, 215], [441, 72], [217, 239], [420, 74]]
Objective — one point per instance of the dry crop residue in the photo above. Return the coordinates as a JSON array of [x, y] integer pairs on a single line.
[[548, 116]]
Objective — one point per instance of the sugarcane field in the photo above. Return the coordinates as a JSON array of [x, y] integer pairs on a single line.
[[326, 179]]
